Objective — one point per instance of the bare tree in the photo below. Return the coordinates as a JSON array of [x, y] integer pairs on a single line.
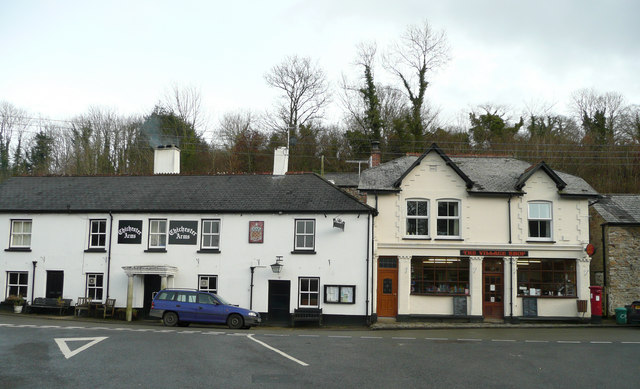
[[186, 103], [588, 105], [304, 93], [13, 124], [420, 51]]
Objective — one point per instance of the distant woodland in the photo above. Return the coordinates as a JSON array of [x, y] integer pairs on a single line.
[[599, 140]]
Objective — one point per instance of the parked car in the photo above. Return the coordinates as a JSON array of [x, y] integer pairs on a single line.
[[181, 307]]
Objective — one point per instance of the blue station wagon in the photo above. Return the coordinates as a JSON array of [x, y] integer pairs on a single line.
[[181, 307]]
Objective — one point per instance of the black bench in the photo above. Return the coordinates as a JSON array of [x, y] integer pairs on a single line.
[[306, 314], [50, 304]]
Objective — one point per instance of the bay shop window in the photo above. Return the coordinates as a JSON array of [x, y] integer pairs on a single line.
[[547, 277], [439, 276]]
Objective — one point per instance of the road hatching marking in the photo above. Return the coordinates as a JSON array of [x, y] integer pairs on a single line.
[[250, 336]]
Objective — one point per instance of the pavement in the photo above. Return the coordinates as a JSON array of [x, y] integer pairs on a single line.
[[381, 324]]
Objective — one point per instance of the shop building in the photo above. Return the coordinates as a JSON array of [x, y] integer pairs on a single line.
[[478, 238]]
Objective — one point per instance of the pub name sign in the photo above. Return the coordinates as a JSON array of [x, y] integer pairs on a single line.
[[494, 253]]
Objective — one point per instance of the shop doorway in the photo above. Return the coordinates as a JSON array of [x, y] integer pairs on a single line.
[[493, 288], [387, 291], [279, 302], [55, 283], [151, 287]]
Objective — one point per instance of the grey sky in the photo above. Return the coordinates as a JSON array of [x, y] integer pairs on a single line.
[[60, 57]]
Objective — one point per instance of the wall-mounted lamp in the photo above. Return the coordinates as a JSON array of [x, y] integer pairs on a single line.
[[338, 223], [277, 267]]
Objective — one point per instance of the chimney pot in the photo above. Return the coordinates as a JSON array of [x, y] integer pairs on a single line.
[[375, 154]]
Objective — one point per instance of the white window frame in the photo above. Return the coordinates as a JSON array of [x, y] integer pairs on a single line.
[[210, 235], [539, 219], [417, 218], [158, 236], [96, 233], [204, 283], [306, 235], [96, 285], [308, 292], [20, 232], [20, 287], [449, 218]]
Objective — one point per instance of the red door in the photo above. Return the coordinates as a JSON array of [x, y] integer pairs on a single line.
[[387, 296], [493, 289]]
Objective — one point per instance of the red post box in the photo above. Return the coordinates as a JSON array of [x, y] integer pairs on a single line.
[[596, 304]]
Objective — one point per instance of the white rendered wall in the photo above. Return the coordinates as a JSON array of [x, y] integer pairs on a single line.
[[59, 242]]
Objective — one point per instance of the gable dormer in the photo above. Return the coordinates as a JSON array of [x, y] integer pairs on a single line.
[[541, 166], [434, 148]]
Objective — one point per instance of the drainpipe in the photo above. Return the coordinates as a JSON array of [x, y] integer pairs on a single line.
[[511, 289], [109, 253], [509, 216], [373, 244], [367, 266], [33, 280], [253, 269], [604, 265]]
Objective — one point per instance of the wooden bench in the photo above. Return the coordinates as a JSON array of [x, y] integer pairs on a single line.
[[306, 315], [48, 303], [108, 308]]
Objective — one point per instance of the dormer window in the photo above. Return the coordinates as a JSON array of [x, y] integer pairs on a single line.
[[540, 218]]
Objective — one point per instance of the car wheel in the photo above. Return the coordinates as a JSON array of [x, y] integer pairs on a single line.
[[170, 319], [235, 321]]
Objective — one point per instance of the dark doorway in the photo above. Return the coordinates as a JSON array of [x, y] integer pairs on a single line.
[[55, 282], [151, 286], [279, 300]]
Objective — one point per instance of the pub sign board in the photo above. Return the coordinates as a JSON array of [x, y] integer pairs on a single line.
[[129, 231], [495, 253], [256, 231], [183, 232]]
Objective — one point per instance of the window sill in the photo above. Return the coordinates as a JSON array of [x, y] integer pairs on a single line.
[[439, 294], [416, 238], [95, 250], [453, 239], [303, 252], [19, 249], [339, 303], [155, 251], [549, 297], [209, 251], [541, 241]]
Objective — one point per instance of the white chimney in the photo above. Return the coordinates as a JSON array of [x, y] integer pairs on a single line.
[[166, 160], [281, 161]]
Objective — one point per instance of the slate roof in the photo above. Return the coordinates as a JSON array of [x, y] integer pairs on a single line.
[[303, 193], [488, 175], [619, 208], [343, 179]]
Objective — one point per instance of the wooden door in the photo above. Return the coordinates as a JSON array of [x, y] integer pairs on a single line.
[[387, 291], [279, 301], [493, 288], [55, 283]]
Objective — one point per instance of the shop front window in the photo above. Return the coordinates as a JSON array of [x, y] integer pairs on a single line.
[[440, 276], [547, 277]]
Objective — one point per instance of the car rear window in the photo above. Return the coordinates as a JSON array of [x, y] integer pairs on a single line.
[[166, 295], [186, 297]]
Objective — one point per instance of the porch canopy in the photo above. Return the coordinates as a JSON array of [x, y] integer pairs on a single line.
[[164, 271]]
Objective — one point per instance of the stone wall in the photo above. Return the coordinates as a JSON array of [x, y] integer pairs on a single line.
[[623, 266]]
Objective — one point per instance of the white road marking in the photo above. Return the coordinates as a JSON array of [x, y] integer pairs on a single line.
[[569, 341], [371, 337], [340, 336], [309, 336], [536, 341], [189, 332], [437, 338], [630, 342], [402, 338], [62, 344], [503, 340], [598, 342], [49, 326], [213, 333], [470, 340], [278, 351], [165, 331], [275, 335]]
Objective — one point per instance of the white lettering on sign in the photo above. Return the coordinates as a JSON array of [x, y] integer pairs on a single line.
[[124, 230], [176, 231]]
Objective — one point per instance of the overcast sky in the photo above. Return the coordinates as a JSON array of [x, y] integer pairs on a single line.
[[57, 58]]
